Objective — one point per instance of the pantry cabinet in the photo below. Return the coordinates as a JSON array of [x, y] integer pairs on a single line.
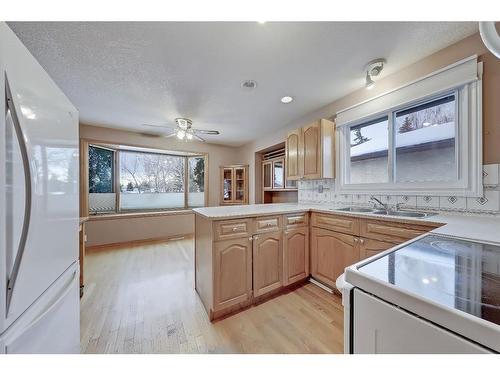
[[310, 152]]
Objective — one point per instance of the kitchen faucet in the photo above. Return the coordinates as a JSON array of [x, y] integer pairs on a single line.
[[385, 206]]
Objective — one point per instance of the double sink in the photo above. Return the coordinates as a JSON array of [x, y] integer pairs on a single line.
[[389, 212]]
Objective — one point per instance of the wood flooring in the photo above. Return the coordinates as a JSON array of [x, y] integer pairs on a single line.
[[142, 300]]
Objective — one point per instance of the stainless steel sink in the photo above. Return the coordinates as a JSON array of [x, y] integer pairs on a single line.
[[355, 209], [414, 214]]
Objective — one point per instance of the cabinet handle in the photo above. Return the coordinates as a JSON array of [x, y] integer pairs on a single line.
[[362, 241], [287, 232], [255, 237], [250, 238], [235, 229], [356, 239], [269, 224]]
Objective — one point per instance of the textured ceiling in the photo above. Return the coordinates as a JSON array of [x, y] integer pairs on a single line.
[[126, 74]]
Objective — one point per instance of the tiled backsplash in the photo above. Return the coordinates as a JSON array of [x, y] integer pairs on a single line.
[[323, 191]]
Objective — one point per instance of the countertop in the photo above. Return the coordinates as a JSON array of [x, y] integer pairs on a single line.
[[481, 227]]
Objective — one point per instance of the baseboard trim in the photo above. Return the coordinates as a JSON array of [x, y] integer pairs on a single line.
[[147, 241], [321, 285]]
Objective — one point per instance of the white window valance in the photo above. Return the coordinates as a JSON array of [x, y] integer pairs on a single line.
[[449, 77]]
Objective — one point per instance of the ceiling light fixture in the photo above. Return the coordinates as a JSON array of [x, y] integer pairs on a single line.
[[286, 99], [262, 22], [373, 69], [369, 84]]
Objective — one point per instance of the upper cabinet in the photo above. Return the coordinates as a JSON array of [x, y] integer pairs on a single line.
[[310, 151], [293, 141], [234, 184]]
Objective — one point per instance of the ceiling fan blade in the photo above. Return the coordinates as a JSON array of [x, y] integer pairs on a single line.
[[208, 132], [198, 138], [169, 135], [160, 126]]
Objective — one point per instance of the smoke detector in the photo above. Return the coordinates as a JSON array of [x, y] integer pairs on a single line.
[[249, 84]]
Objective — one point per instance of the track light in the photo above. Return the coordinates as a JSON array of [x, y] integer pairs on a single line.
[[369, 81]]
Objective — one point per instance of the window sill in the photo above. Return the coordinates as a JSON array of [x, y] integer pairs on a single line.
[[132, 215]]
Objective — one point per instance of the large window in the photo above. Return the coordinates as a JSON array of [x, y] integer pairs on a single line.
[[423, 147], [145, 181]]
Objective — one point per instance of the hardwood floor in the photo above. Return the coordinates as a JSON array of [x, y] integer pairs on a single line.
[[142, 300]]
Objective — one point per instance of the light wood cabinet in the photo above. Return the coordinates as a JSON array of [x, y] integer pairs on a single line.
[[310, 151], [295, 255], [292, 155], [232, 272], [331, 253], [267, 263], [369, 247], [234, 184]]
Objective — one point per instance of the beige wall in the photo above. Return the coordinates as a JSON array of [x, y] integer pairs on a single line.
[[101, 232], [466, 47], [111, 231]]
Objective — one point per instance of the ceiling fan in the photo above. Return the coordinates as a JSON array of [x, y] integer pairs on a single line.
[[184, 130]]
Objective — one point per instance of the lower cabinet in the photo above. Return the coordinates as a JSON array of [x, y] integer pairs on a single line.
[[267, 263], [331, 252], [368, 247], [232, 272], [295, 255]]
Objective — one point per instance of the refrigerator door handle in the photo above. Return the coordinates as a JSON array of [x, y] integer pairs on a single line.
[[27, 178], [55, 301]]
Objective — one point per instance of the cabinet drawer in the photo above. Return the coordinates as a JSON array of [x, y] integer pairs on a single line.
[[228, 229], [392, 232], [297, 220], [267, 224], [342, 224]]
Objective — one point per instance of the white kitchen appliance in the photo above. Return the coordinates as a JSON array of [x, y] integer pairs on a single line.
[[434, 294], [39, 269]]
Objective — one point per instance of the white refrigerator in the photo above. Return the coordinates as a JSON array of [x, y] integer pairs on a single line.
[[39, 190]]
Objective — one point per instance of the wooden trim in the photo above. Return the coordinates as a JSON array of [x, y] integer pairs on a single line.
[[84, 178], [137, 242], [132, 215]]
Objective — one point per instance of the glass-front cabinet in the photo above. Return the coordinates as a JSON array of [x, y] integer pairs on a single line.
[[234, 184]]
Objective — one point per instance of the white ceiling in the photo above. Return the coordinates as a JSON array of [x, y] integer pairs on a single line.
[[126, 74]]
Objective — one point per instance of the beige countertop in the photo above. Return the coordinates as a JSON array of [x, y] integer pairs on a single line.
[[481, 227]]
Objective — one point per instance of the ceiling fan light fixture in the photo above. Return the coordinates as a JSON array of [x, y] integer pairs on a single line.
[[181, 134]]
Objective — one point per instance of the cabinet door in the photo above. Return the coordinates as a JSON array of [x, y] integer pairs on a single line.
[[267, 263], [311, 149], [232, 272], [279, 174], [267, 175], [295, 255], [331, 253], [368, 248], [239, 184], [227, 185], [293, 156]]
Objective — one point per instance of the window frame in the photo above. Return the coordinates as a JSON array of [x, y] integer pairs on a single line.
[[468, 149], [116, 148]]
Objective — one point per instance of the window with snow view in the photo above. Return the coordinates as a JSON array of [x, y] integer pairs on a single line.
[[369, 152], [424, 139]]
